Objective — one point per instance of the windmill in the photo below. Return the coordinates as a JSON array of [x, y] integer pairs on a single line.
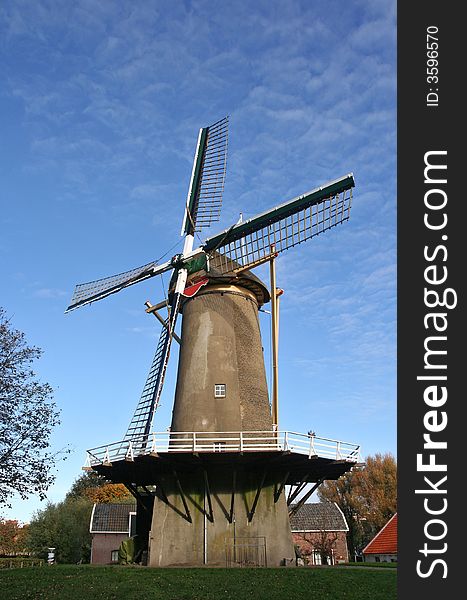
[[211, 489]]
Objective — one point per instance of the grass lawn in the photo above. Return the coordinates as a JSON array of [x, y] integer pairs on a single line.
[[380, 565], [134, 583]]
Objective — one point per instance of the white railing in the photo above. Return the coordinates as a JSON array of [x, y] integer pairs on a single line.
[[223, 441]]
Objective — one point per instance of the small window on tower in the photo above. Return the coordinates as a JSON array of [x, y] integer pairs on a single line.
[[219, 390]]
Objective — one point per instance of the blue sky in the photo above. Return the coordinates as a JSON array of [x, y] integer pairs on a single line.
[[100, 108]]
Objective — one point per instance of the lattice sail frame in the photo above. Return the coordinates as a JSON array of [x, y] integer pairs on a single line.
[[206, 189], [283, 227], [91, 291], [141, 421]]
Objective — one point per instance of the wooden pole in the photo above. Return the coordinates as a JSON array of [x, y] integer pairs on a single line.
[[274, 339], [153, 309]]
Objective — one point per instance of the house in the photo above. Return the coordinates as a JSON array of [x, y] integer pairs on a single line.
[[383, 547], [319, 529], [110, 525]]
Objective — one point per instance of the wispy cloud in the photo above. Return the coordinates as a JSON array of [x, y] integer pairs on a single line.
[[49, 293]]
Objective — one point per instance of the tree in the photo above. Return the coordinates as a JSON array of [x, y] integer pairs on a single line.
[[87, 481], [12, 537], [115, 493], [367, 497], [27, 417], [97, 489], [323, 542], [65, 527]]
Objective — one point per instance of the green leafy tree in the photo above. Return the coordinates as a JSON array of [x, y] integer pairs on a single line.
[[27, 418], [367, 497], [65, 527]]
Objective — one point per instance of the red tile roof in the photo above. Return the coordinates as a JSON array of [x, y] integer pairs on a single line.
[[385, 541]]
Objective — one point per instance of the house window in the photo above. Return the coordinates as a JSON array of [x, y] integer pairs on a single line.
[[316, 557], [219, 390], [114, 556]]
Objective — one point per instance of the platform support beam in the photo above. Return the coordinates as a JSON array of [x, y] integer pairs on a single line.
[[302, 501], [182, 496], [209, 516], [298, 489], [278, 488], [255, 501], [232, 497]]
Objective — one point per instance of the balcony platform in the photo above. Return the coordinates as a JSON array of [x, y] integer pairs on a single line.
[[287, 457]]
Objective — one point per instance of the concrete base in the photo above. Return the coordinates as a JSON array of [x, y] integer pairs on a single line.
[[219, 519]]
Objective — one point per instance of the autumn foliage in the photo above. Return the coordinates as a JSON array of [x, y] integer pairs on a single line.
[[109, 492], [366, 496], [12, 537], [97, 489]]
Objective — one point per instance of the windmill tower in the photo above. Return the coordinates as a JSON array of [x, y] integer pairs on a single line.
[[211, 489]]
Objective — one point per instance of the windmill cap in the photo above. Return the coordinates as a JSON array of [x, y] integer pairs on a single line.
[[245, 279]]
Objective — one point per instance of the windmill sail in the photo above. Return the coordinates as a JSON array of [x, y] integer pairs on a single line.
[[96, 290], [203, 208], [287, 225], [141, 422], [204, 199]]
